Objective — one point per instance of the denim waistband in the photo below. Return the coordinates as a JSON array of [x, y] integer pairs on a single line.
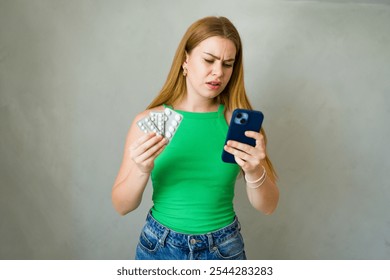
[[194, 241]]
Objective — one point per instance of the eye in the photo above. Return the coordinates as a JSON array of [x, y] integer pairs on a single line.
[[228, 65], [209, 60]]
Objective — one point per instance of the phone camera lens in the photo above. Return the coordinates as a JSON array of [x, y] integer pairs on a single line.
[[239, 115], [242, 121]]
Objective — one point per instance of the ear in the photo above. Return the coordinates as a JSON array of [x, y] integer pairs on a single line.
[[185, 61]]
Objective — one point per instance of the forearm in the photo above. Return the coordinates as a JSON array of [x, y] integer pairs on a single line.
[[265, 197], [127, 194]]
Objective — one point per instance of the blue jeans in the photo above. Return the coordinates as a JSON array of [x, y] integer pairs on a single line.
[[158, 242]]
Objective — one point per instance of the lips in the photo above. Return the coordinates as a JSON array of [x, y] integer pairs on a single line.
[[213, 84]]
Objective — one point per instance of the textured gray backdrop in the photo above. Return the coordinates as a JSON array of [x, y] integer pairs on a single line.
[[73, 74]]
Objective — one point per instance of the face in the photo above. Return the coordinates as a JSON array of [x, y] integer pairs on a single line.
[[209, 66]]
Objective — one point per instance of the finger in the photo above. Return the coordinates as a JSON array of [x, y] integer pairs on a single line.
[[148, 164], [258, 151], [145, 143], [159, 148], [255, 135], [252, 134], [144, 138], [239, 161], [150, 161], [236, 152], [246, 164], [134, 147], [159, 152], [253, 157], [241, 146], [152, 151]]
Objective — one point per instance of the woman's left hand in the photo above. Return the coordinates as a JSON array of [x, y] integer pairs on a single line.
[[248, 157]]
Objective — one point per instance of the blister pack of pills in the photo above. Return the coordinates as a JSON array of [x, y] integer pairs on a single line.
[[164, 123]]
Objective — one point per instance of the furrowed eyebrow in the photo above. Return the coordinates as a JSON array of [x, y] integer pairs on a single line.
[[216, 57]]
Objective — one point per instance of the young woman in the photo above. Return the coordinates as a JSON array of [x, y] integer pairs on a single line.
[[192, 215]]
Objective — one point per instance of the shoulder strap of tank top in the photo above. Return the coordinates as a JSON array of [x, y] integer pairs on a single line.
[[221, 109]]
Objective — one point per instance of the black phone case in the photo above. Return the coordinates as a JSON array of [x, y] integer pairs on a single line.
[[242, 120]]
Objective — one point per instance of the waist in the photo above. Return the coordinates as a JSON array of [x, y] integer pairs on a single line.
[[193, 220], [196, 241]]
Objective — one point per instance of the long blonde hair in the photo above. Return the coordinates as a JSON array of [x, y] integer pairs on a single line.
[[234, 95]]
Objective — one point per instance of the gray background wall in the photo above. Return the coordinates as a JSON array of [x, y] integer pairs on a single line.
[[73, 74]]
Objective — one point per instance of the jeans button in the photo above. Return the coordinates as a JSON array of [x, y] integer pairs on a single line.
[[193, 241]]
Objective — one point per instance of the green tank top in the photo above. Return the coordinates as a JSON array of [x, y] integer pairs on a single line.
[[193, 188]]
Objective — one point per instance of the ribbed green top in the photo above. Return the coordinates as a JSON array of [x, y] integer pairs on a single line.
[[193, 187]]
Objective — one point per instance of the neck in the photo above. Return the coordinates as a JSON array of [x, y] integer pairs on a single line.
[[201, 106]]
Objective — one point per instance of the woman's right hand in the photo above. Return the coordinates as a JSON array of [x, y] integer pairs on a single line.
[[144, 151]]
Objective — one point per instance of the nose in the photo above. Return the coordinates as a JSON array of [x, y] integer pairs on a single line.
[[217, 70]]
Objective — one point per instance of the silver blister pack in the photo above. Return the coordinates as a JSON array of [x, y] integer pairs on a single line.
[[158, 118], [147, 125], [172, 123], [164, 123]]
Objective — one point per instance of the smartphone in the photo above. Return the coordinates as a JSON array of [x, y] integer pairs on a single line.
[[242, 120]]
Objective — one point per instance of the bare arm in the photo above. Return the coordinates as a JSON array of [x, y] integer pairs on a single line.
[[138, 161], [264, 198], [252, 160]]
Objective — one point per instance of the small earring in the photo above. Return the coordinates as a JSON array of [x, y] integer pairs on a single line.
[[185, 71]]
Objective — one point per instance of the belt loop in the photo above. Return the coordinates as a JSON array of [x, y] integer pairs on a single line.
[[163, 237], [211, 242]]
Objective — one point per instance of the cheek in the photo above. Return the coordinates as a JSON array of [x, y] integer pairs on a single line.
[[199, 71], [193, 68], [228, 75]]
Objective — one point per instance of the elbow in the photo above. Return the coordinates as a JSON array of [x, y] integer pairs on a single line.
[[272, 206], [123, 207], [122, 213], [122, 210], [265, 210], [269, 211]]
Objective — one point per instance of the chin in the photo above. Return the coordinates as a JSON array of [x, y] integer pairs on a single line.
[[212, 95]]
